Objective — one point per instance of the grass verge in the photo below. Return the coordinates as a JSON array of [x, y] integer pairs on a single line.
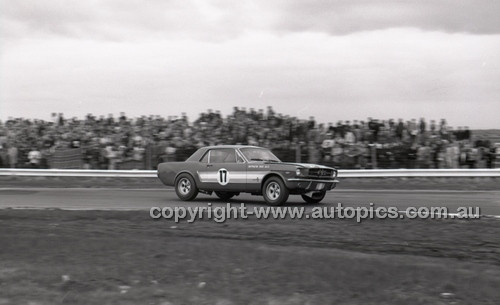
[[113, 257]]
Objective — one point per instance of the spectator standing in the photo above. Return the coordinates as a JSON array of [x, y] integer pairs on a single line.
[[455, 160], [413, 129], [34, 158], [337, 152], [423, 156], [349, 138], [357, 130], [61, 121], [490, 161], [480, 158], [350, 155], [411, 154], [374, 127], [399, 152], [441, 156], [422, 126], [12, 153], [312, 147], [433, 127], [443, 127], [46, 153], [400, 129], [327, 148], [170, 151], [138, 152], [112, 155], [4, 158], [472, 157], [363, 154]]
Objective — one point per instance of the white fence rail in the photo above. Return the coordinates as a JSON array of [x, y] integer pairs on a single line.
[[79, 173], [479, 172], [375, 173]]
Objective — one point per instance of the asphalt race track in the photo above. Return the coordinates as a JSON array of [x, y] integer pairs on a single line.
[[142, 199]]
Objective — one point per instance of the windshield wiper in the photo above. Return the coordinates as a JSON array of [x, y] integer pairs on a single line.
[[256, 159]]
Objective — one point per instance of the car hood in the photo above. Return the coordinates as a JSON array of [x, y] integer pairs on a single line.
[[305, 165]]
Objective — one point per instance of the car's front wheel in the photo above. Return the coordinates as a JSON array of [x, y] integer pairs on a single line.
[[185, 187], [275, 191], [315, 197]]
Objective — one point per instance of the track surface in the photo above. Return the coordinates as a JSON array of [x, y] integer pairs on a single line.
[[140, 199]]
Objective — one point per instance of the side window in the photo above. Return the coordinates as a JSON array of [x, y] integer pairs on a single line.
[[205, 157], [223, 155], [239, 158]]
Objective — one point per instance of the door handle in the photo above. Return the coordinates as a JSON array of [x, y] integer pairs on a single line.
[[209, 165]]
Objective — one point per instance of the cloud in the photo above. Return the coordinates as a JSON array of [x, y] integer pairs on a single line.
[[388, 73], [341, 59], [345, 16], [124, 19], [223, 19]]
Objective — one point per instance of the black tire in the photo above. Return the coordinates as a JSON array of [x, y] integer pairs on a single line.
[[225, 195], [185, 187], [275, 191], [315, 197]]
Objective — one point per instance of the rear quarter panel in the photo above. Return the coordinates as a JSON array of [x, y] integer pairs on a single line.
[[168, 171]]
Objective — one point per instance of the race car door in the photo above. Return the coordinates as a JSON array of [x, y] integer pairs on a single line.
[[223, 169]]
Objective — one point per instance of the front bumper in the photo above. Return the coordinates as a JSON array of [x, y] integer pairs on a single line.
[[311, 184]]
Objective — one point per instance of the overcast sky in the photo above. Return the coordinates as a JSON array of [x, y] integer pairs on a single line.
[[335, 60]]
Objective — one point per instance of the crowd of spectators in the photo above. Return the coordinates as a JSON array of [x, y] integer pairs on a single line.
[[108, 142]]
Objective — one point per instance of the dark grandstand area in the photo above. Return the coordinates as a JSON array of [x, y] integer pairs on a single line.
[[108, 142]]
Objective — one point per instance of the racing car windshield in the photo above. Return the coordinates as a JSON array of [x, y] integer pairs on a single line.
[[259, 154]]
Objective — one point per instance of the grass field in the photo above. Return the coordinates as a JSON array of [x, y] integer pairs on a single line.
[[112, 257]]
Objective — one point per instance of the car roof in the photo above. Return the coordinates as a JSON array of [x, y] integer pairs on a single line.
[[196, 156]]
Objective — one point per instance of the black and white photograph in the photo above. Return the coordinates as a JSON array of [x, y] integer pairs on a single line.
[[215, 152]]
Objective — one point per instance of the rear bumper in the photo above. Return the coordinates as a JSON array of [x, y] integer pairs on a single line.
[[310, 184]]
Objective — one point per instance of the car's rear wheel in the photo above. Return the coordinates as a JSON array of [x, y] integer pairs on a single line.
[[315, 197], [225, 195], [185, 187], [275, 191]]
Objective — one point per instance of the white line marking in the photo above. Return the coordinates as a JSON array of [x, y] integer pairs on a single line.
[[168, 189], [336, 190], [171, 189]]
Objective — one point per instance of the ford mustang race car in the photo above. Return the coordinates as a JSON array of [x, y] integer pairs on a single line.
[[229, 170]]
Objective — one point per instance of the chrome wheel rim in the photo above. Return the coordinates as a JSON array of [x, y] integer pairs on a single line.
[[184, 186], [273, 190]]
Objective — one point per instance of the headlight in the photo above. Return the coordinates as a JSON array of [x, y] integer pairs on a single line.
[[298, 172], [334, 173]]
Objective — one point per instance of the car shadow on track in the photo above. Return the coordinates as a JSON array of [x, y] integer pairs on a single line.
[[247, 200]]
